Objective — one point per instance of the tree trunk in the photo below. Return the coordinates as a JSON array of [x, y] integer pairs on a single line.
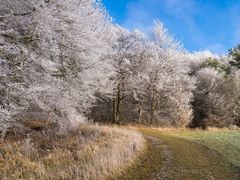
[[140, 111], [152, 110], [152, 113], [117, 105], [153, 106]]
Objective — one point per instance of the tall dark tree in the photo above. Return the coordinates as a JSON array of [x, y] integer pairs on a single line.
[[235, 54]]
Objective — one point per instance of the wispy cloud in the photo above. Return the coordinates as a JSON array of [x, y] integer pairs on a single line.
[[216, 48], [141, 13], [199, 24]]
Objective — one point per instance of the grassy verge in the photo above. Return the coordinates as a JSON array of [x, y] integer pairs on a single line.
[[145, 166], [88, 153], [193, 160], [226, 142], [177, 154]]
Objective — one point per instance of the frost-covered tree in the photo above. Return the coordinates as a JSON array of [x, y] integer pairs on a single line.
[[234, 53], [17, 35], [83, 41], [209, 98], [127, 59], [236, 98], [164, 91], [64, 61], [54, 58], [212, 102], [197, 60]]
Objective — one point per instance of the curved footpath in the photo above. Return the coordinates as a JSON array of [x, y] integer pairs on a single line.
[[169, 157]]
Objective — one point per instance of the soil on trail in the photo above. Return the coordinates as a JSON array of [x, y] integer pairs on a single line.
[[168, 157]]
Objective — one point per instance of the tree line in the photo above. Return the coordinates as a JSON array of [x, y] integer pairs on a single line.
[[65, 62]]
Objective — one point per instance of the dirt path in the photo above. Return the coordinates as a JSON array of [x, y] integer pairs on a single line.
[[168, 157]]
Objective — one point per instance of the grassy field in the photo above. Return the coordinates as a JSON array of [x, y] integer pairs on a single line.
[[226, 142], [186, 154]]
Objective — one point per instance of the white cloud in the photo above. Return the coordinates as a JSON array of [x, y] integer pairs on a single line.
[[216, 48], [182, 16]]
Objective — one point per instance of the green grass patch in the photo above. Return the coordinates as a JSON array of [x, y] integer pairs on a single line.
[[193, 160], [226, 142], [186, 154]]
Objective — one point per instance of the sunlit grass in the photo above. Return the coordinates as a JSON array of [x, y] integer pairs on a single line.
[[146, 165], [226, 142], [193, 155], [91, 152]]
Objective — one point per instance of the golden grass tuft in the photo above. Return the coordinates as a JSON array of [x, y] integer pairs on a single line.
[[91, 152]]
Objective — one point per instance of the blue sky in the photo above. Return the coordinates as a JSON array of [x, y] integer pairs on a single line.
[[199, 24]]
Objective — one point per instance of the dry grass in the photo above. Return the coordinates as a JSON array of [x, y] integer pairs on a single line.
[[91, 152]]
